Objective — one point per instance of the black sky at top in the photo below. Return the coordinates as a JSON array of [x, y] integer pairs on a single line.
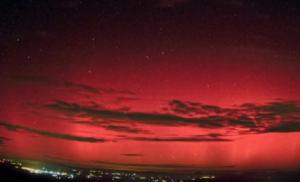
[[43, 29]]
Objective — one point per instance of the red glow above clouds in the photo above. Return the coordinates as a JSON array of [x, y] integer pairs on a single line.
[[171, 97]]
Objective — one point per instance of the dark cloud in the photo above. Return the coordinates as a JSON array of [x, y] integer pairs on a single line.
[[95, 90], [46, 81], [124, 109], [2, 139], [41, 80], [202, 138], [193, 108], [125, 129], [180, 139], [157, 167], [279, 116], [243, 121], [113, 127], [15, 128], [133, 155], [83, 87], [279, 108], [147, 118], [282, 108], [285, 127], [250, 117], [180, 107]]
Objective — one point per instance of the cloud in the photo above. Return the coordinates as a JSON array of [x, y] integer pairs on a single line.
[[188, 108], [125, 129], [194, 108], [285, 127], [279, 108], [2, 139], [41, 80], [49, 82], [133, 155], [83, 87], [13, 127], [243, 120], [180, 139], [113, 127], [123, 93], [142, 117], [157, 167], [249, 117], [200, 138]]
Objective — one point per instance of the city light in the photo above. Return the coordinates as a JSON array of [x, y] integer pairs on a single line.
[[93, 174]]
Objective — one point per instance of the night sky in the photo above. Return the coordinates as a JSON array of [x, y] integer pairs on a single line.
[[151, 84]]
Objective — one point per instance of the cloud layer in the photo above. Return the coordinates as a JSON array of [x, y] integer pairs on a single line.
[[16, 128], [215, 123], [277, 116]]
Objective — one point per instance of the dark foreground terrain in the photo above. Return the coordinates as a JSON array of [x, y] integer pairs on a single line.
[[9, 173]]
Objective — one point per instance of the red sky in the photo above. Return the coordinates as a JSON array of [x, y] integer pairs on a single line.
[[183, 85]]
